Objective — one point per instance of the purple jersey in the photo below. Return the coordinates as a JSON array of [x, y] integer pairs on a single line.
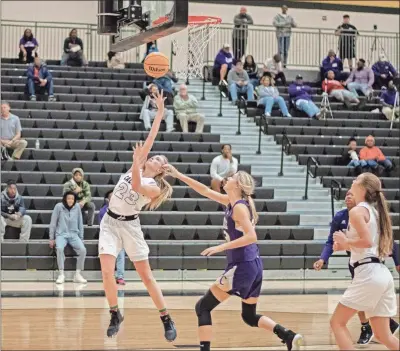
[[240, 254]]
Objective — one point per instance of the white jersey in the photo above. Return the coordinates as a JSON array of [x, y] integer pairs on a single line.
[[358, 254], [125, 201]]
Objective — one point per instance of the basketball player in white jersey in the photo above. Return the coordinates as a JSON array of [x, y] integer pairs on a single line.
[[369, 238], [143, 185]]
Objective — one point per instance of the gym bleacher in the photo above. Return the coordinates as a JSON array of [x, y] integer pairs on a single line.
[[95, 122]]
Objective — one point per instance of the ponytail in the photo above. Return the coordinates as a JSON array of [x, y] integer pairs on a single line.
[[253, 210], [385, 226], [165, 193]]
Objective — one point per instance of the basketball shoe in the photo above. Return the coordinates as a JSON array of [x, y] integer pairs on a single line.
[[169, 328], [115, 322]]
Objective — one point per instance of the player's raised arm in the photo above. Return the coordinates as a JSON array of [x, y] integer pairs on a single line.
[[197, 186]]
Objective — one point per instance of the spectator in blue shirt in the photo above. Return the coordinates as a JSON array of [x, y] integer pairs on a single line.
[[120, 262], [39, 76], [299, 94], [384, 72], [388, 100], [222, 64], [340, 223], [334, 64]]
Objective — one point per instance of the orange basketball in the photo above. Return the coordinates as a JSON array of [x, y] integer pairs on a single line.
[[156, 64]]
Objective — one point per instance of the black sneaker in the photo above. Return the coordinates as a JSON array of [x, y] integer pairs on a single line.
[[4, 154], [394, 326], [293, 341], [115, 322], [366, 335], [169, 328]]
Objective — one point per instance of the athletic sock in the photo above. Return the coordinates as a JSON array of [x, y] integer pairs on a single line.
[[163, 312], [205, 345], [114, 308]]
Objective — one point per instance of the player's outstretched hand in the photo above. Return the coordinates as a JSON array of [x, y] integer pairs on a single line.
[[159, 100], [138, 157], [170, 170]]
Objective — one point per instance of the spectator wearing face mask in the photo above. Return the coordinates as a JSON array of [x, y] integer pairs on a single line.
[[120, 261], [240, 33], [361, 79], [384, 72], [390, 98]]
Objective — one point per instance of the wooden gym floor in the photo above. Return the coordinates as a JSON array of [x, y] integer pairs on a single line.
[[79, 322]]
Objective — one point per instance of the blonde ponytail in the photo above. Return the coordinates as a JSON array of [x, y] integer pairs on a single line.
[[165, 193], [252, 208], [247, 185], [385, 227]]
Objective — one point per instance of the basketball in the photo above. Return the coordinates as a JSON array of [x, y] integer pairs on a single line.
[[156, 64]]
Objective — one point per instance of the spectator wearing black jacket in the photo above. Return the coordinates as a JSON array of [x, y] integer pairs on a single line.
[[73, 51], [351, 157]]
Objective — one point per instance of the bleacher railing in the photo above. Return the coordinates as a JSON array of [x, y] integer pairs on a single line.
[[336, 190]]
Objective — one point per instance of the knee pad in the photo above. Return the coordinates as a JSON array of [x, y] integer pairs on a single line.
[[204, 307], [249, 315]]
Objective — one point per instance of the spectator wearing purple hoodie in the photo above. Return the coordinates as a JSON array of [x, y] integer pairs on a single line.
[[384, 72], [334, 64], [300, 95], [28, 47], [222, 64], [361, 79]]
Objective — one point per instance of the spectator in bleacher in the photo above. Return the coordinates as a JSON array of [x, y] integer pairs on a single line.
[[10, 134], [73, 51], [28, 47], [38, 76], [273, 68], [240, 33], [239, 82], [166, 84], [300, 95], [251, 68], [334, 64], [351, 157], [347, 41], [384, 72], [223, 167], [81, 188], [66, 228], [150, 48], [374, 156], [340, 223], [120, 261], [115, 60], [269, 96], [336, 90], [361, 79], [185, 106], [284, 24], [222, 64], [13, 212], [388, 100], [149, 110]]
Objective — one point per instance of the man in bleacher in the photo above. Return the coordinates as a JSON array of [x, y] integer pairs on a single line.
[[239, 82], [384, 72], [185, 106], [390, 98], [39, 77], [374, 156], [273, 68], [13, 212], [10, 134], [300, 95], [81, 189], [222, 64], [361, 79], [223, 167]]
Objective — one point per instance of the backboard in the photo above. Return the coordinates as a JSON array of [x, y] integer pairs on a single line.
[[131, 22]]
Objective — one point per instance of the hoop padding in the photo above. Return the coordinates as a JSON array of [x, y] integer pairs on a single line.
[[189, 59]]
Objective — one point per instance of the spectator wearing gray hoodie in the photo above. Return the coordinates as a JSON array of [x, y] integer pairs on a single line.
[[284, 24], [13, 212], [239, 82], [66, 228], [361, 79]]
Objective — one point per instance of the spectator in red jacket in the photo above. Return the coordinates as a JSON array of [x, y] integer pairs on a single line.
[[336, 90], [373, 155]]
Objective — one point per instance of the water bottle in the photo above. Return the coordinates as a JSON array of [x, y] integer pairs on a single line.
[[37, 144]]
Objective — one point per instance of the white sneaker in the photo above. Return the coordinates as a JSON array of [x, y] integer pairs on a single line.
[[60, 279], [288, 115], [79, 279], [267, 114]]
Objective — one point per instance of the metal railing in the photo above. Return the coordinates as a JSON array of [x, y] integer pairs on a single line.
[[312, 169], [51, 36], [286, 144], [335, 195], [308, 46], [262, 123]]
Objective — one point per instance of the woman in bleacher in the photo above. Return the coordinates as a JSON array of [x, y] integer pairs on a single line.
[[28, 47], [269, 96]]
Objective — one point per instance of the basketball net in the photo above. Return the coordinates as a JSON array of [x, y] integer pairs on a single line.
[[189, 59]]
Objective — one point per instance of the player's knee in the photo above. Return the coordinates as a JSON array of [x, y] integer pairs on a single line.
[[204, 307], [249, 315]]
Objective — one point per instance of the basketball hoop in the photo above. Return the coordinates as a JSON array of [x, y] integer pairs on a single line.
[[191, 56]]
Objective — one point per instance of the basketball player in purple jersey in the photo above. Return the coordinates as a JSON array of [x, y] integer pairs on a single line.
[[244, 273]]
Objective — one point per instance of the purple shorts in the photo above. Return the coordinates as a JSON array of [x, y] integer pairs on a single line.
[[243, 279]]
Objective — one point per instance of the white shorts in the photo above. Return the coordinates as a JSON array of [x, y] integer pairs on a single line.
[[372, 291], [116, 235]]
